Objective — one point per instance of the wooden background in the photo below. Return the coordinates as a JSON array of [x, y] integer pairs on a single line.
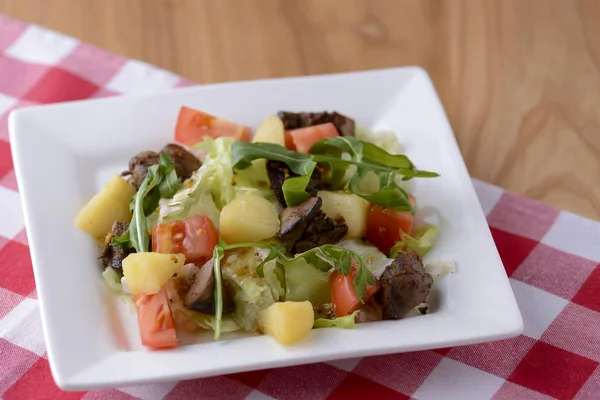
[[520, 79]]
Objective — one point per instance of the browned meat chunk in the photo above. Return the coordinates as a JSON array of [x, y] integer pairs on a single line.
[[113, 256], [278, 172], [306, 226], [404, 285], [344, 125], [196, 287], [185, 163]]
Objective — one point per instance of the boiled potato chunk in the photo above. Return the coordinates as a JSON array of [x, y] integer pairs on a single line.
[[270, 131], [248, 218], [287, 322], [146, 273], [109, 205], [354, 209]]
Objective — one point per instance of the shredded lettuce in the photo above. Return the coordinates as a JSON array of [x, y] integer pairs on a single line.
[[385, 139], [113, 280], [421, 241], [251, 293], [305, 282], [346, 322], [214, 184], [375, 261]]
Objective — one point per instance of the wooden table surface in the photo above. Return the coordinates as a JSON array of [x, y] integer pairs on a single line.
[[520, 79]]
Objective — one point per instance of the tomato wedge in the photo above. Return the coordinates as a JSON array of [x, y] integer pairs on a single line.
[[386, 225], [304, 138], [343, 292], [193, 125], [195, 237], [155, 320]]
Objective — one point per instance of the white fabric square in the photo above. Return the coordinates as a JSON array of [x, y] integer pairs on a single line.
[[538, 307], [23, 326], [455, 380], [156, 391], [347, 364], [11, 214], [488, 195], [6, 102], [256, 395], [139, 77], [575, 235], [39, 45]]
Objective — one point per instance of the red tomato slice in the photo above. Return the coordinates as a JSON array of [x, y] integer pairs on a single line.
[[304, 138], [386, 225], [289, 141], [193, 125], [195, 237], [155, 320], [343, 292]]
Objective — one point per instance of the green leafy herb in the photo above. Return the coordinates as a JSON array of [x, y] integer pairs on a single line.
[[346, 322], [218, 254], [338, 154], [421, 241], [160, 182]]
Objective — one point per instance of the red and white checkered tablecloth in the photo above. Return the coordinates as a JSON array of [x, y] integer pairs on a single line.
[[552, 258]]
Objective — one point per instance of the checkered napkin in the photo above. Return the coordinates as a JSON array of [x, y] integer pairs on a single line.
[[552, 258]]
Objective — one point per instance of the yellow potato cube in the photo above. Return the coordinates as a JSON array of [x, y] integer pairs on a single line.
[[270, 131], [147, 272], [287, 322], [248, 218], [109, 205], [354, 209]]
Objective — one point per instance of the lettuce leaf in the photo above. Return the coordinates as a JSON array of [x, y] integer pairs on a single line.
[[346, 322], [305, 282], [251, 293], [421, 241], [113, 280], [385, 139], [374, 260]]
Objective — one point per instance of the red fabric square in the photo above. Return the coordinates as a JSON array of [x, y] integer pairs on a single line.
[[513, 249], [15, 361], [17, 272], [357, 387], [59, 85], [443, 351], [403, 372], [219, 387], [6, 163], [589, 293], [553, 371], [17, 76], [591, 389], [554, 271], [91, 63], [522, 216], [22, 237], [38, 383], [250, 378], [10, 30], [8, 301], [499, 358], [576, 329], [313, 381]]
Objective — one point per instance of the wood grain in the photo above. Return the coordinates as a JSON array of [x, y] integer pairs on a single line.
[[520, 80]]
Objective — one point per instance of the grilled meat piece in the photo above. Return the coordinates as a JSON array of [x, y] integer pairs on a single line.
[[278, 172], [111, 255], [306, 226], [344, 125], [404, 285], [195, 286], [185, 163]]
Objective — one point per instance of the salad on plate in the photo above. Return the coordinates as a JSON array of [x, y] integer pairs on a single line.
[[306, 224]]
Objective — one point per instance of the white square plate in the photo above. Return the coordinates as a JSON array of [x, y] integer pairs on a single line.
[[64, 153]]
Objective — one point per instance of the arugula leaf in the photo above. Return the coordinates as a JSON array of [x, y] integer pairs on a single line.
[[218, 254], [243, 153], [294, 188], [346, 322], [160, 182], [338, 154]]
